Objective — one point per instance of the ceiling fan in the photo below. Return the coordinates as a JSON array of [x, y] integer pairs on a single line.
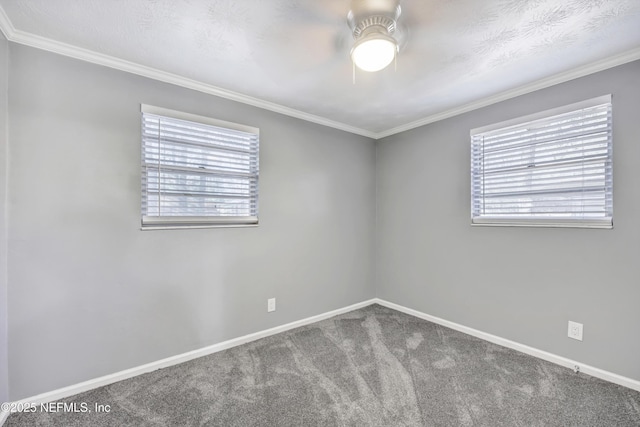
[[373, 24], [325, 37]]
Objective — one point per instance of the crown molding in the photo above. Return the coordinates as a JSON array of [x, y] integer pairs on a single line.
[[28, 39], [594, 67], [6, 26], [39, 42]]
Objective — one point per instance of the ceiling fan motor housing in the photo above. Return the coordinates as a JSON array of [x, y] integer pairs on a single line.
[[376, 23], [373, 16], [373, 23]]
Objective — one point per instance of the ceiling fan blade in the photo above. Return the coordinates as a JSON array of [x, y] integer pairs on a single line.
[[328, 12]]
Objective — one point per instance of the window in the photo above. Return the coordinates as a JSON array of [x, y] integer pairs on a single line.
[[197, 171], [548, 169]]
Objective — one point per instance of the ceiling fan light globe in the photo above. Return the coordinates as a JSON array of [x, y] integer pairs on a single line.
[[374, 53]]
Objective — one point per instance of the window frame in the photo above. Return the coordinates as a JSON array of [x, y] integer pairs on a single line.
[[605, 223], [187, 222]]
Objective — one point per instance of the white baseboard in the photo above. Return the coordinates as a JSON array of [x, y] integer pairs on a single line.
[[540, 354], [184, 357], [72, 390]]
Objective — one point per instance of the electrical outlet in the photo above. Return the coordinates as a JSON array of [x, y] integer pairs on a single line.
[[271, 305], [575, 330]]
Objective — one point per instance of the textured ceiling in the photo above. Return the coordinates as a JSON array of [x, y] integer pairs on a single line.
[[295, 53]]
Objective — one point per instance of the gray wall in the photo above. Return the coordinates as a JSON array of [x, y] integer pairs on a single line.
[[91, 294], [523, 284], [4, 363]]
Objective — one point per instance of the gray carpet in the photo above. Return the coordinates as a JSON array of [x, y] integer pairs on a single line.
[[369, 367]]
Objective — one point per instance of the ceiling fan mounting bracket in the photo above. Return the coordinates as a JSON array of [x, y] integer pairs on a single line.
[[365, 14], [365, 25]]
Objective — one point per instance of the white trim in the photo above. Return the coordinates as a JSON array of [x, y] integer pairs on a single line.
[[196, 227], [6, 26], [181, 358], [3, 416], [185, 357], [540, 354], [28, 39], [604, 64], [157, 222], [606, 224]]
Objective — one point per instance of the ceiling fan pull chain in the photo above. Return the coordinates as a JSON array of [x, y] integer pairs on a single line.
[[395, 60], [353, 64]]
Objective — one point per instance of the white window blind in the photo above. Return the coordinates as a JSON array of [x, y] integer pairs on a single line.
[[197, 171], [549, 169]]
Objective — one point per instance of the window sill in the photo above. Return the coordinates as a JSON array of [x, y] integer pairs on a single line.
[[485, 222], [189, 227], [184, 222]]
